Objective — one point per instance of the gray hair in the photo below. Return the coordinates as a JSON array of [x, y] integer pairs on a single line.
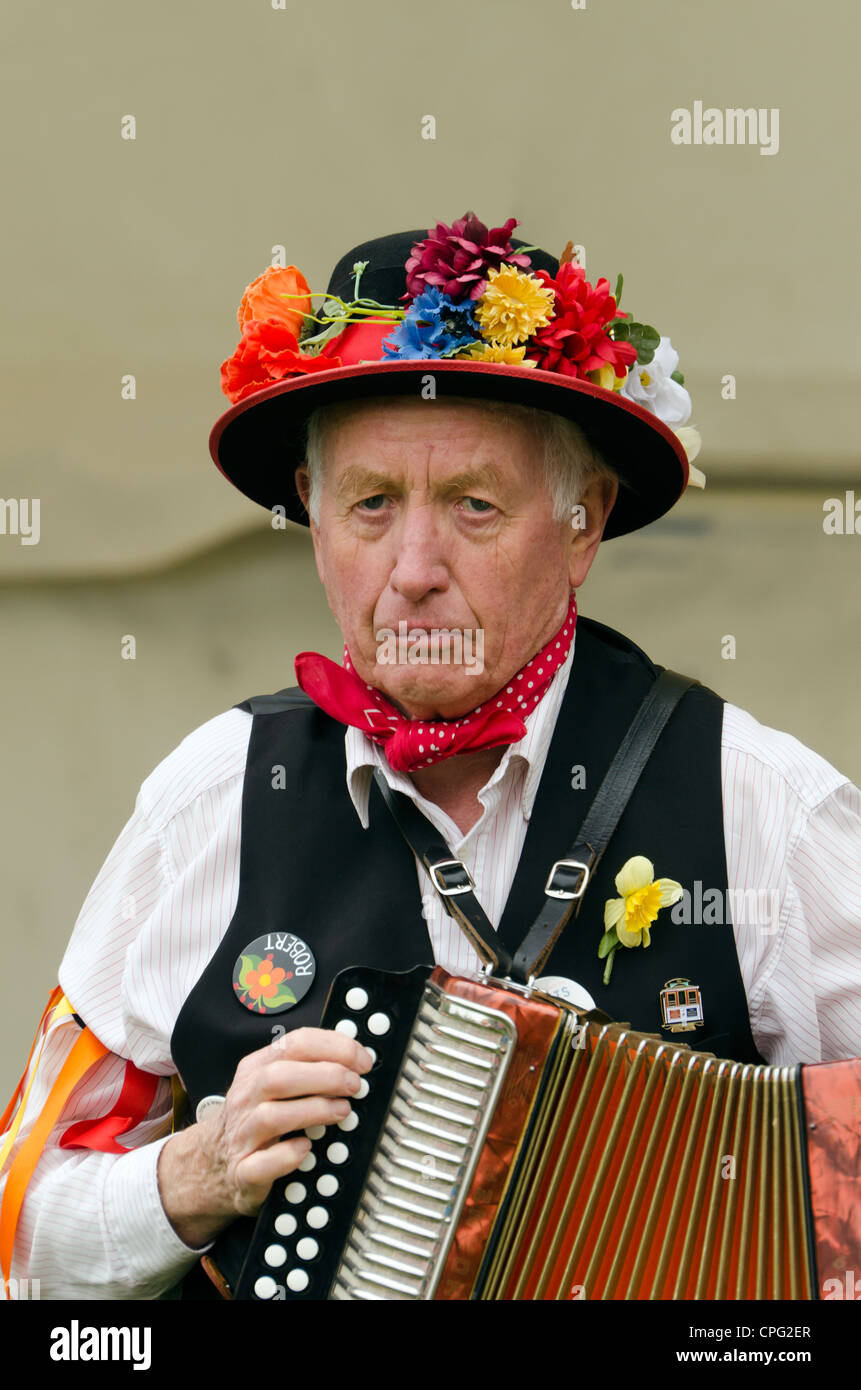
[[569, 460]]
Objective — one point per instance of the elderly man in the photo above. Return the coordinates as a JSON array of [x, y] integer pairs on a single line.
[[440, 480]]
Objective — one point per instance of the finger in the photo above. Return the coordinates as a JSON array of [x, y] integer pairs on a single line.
[[284, 1080], [321, 1045], [255, 1174], [275, 1118]]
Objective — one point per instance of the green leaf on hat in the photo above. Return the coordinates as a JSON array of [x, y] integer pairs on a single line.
[[617, 294], [678, 376]]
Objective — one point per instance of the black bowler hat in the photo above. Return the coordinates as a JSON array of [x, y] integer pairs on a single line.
[[260, 441]]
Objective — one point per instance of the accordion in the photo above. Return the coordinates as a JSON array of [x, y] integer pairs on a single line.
[[506, 1146]]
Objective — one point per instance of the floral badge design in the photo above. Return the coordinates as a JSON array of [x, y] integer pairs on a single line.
[[273, 972], [628, 919], [470, 294], [263, 983]]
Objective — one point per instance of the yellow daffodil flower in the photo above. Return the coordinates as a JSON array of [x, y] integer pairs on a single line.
[[628, 919]]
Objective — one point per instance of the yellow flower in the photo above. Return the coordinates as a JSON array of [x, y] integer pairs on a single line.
[[495, 352], [513, 306], [606, 376], [642, 898]]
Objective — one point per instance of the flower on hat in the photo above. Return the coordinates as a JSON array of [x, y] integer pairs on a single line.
[[576, 341], [495, 352], [628, 919], [281, 294], [268, 351], [514, 305], [456, 259], [433, 326], [659, 386]]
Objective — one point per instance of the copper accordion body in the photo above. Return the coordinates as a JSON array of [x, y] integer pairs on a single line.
[[507, 1147]]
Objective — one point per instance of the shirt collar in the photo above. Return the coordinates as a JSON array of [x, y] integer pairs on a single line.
[[363, 755]]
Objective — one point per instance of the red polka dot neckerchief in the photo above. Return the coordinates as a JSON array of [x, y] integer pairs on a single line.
[[415, 743]]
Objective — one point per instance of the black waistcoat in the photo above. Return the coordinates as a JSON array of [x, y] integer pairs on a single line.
[[307, 866]]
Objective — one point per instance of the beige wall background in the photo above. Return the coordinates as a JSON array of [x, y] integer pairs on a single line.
[[300, 126]]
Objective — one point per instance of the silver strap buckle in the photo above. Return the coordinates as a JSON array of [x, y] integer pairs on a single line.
[[563, 865], [450, 890]]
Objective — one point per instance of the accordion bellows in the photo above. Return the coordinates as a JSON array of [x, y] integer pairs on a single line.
[[507, 1147]]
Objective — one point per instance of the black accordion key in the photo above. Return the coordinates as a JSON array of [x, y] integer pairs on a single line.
[[303, 1224]]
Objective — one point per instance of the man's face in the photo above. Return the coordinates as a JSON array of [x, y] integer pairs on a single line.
[[435, 515]]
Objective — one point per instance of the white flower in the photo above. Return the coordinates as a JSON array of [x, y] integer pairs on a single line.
[[652, 386]]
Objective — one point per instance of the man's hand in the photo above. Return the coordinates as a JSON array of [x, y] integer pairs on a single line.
[[224, 1166]]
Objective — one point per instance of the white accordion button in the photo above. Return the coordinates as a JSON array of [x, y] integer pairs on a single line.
[[297, 1281], [315, 1131], [347, 1026], [265, 1286], [295, 1192], [349, 1122], [308, 1162], [363, 1090], [356, 998], [285, 1224], [378, 1024], [317, 1218], [327, 1185], [275, 1256], [307, 1248], [337, 1153]]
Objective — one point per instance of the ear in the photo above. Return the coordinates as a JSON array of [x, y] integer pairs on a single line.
[[590, 517], [303, 484], [303, 487]]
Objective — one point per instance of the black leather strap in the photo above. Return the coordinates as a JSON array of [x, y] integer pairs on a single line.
[[569, 878], [448, 876]]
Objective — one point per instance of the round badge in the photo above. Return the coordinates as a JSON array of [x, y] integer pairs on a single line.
[[569, 990], [273, 973]]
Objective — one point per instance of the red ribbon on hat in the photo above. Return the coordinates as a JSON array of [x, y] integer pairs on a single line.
[[415, 743]]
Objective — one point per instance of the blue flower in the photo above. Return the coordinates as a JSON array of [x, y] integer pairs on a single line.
[[433, 326]]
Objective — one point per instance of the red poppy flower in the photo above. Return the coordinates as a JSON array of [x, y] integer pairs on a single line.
[[268, 351], [576, 342]]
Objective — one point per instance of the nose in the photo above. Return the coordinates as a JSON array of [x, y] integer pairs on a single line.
[[420, 566]]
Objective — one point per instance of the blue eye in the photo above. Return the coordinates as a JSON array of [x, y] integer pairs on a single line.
[[479, 504], [373, 504]]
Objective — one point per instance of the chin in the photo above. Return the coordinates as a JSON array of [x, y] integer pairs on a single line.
[[425, 695]]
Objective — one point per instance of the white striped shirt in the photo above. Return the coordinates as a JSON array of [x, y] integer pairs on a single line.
[[92, 1225]]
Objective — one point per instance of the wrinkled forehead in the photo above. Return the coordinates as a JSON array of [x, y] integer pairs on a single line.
[[417, 421]]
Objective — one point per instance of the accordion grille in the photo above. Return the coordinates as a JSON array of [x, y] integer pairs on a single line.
[[438, 1115]]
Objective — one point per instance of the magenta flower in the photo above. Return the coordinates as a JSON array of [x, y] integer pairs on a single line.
[[456, 259]]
